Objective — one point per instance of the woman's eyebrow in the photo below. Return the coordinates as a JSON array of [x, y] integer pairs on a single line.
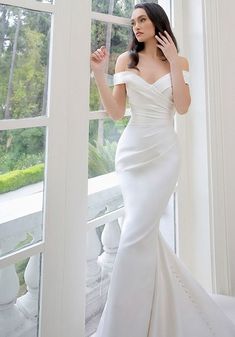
[[138, 17]]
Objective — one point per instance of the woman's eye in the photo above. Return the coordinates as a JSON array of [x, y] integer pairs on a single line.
[[142, 20]]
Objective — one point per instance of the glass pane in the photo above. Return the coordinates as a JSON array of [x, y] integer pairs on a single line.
[[116, 39], [121, 8], [103, 138], [104, 133], [104, 193], [24, 49], [19, 297], [22, 155], [114, 7]]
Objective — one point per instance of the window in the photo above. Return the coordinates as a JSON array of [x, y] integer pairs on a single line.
[[24, 62], [44, 88], [42, 175]]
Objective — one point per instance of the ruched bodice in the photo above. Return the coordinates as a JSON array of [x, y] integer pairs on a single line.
[[152, 293], [153, 101], [150, 131]]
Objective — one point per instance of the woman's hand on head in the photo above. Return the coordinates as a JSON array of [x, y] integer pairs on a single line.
[[99, 59], [167, 46]]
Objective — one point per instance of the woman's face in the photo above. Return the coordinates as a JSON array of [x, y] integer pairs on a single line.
[[142, 26]]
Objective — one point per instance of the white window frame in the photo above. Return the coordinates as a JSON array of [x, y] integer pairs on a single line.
[[193, 210], [203, 224], [62, 301]]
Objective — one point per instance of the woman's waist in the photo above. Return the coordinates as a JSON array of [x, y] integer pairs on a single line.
[[142, 136], [158, 119]]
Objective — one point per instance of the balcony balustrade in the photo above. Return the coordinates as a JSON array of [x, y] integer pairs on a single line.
[[21, 216]]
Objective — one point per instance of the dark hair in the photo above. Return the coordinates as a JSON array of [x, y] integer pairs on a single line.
[[161, 22]]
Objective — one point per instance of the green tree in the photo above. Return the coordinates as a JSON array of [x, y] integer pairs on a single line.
[[24, 46]]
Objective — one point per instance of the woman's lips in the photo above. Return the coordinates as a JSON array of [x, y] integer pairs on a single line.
[[138, 34]]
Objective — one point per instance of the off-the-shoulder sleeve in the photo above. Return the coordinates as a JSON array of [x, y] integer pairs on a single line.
[[119, 78], [186, 76]]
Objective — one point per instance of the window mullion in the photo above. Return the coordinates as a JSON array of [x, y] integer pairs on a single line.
[[30, 4]]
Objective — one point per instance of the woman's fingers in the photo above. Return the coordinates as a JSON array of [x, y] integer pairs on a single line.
[[94, 58], [164, 38], [99, 54], [168, 36], [159, 40], [97, 57]]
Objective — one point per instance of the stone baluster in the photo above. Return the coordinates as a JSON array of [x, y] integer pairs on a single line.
[[28, 303], [98, 277], [93, 300], [110, 239], [11, 319], [93, 251]]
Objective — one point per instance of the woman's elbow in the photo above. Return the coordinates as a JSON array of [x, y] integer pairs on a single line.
[[184, 109], [117, 115]]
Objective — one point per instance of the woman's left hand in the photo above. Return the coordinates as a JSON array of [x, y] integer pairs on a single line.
[[166, 44]]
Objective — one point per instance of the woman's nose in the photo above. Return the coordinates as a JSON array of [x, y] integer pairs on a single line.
[[137, 27]]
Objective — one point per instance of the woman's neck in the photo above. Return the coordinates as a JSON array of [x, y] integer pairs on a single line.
[[150, 49]]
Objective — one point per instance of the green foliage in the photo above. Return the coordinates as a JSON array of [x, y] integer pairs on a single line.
[[20, 270], [101, 158], [120, 38], [29, 78], [113, 130], [21, 148], [94, 96], [27, 140], [120, 7], [21, 265], [93, 131], [8, 163], [26, 53], [23, 243], [15, 179], [24, 148]]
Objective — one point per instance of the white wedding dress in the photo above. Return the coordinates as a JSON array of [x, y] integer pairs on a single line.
[[152, 293]]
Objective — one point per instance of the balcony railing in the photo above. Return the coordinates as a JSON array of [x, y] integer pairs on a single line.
[[22, 215]]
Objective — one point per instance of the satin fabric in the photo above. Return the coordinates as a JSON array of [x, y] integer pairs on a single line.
[[152, 293]]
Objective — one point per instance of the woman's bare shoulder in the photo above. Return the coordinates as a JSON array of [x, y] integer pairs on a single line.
[[122, 62], [184, 63]]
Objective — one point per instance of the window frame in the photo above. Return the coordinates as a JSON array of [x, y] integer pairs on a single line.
[[63, 248]]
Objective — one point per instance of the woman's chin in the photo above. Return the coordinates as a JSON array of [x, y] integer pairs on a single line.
[[140, 39]]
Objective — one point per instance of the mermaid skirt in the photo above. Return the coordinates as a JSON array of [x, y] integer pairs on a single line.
[[152, 293]]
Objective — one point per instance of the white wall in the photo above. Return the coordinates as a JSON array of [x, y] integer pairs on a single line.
[[226, 25], [206, 227]]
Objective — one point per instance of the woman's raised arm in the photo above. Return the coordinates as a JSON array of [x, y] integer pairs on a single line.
[[114, 101]]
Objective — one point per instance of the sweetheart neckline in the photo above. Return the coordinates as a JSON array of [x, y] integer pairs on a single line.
[[151, 84]]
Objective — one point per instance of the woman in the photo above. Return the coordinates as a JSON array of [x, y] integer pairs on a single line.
[[151, 293]]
